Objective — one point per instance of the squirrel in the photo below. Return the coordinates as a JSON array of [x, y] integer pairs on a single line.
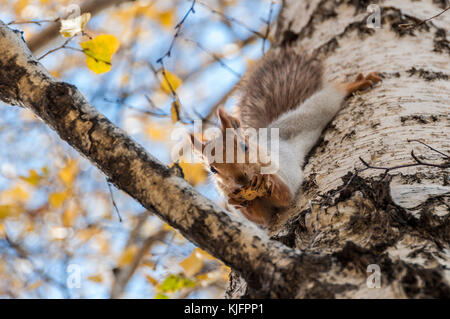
[[284, 90]]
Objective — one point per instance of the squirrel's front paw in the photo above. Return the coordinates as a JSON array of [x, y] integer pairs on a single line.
[[361, 82], [259, 186], [237, 201], [269, 186], [364, 82]]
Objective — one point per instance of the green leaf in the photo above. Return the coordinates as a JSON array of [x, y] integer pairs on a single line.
[[175, 282]]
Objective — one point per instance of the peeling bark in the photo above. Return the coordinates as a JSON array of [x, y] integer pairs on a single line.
[[342, 222]]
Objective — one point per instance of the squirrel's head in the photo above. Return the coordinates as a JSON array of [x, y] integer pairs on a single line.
[[233, 157]]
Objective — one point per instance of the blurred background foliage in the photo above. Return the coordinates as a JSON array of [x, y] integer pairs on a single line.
[[60, 230]]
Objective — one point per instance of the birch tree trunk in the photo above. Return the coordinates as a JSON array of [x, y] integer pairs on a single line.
[[392, 222]]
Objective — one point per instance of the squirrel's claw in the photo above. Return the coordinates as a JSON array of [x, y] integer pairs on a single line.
[[257, 181], [359, 77], [361, 82], [374, 77]]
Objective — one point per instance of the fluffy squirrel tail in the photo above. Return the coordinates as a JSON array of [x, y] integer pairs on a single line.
[[281, 81]]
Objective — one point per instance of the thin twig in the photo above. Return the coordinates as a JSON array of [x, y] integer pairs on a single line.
[[38, 22], [113, 201], [223, 15], [215, 57], [63, 46], [418, 163], [431, 148], [177, 32], [412, 26], [268, 22], [121, 102]]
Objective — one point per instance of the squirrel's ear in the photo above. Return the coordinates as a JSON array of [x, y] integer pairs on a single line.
[[226, 120], [198, 145]]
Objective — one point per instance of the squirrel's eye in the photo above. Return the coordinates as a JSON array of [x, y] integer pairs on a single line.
[[213, 169], [244, 146]]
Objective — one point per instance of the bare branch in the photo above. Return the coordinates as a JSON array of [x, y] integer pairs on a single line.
[[234, 20], [113, 201], [268, 23]]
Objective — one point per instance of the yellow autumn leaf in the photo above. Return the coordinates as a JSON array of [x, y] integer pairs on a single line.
[[127, 256], [152, 280], [68, 173], [170, 80], [29, 226], [99, 52], [249, 62], [205, 254], [10, 211], [70, 27], [56, 73], [69, 216], [87, 233], [45, 171], [57, 199], [156, 131], [203, 278], [126, 13], [33, 178], [19, 6], [175, 111], [168, 227], [5, 211], [17, 194], [35, 285], [229, 3], [2, 230], [194, 173], [192, 264], [95, 278], [101, 243], [147, 263], [167, 18]]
